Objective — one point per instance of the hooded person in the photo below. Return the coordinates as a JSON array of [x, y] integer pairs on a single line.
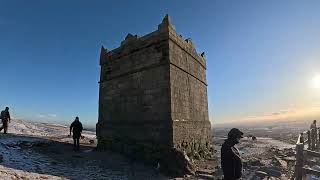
[[231, 161], [76, 128]]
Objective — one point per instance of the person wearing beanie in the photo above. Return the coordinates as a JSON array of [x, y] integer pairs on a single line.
[[231, 161]]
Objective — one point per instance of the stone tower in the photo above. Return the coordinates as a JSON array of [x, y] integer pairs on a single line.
[[153, 96]]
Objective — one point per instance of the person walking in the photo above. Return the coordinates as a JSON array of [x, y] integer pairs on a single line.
[[76, 128], [231, 161], [313, 129], [5, 117]]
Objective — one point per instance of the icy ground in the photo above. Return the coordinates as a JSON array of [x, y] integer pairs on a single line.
[[44, 151], [248, 148], [264, 154]]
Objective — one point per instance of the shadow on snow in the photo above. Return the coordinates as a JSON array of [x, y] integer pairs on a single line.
[[47, 156]]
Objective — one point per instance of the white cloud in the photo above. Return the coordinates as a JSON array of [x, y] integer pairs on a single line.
[[41, 116], [52, 115], [290, 113], [47, 116]]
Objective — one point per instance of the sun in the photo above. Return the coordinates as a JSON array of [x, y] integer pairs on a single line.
[[316, 81]]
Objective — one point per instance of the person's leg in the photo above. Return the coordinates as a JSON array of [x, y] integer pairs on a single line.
[[74, 144], [78, 145], [5, 127]]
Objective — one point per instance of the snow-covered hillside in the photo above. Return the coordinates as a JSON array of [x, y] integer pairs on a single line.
[[42, 129], [44, 151]]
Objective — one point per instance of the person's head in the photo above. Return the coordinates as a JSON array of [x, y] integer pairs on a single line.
[[235, 135], [7, 109], [77, 118], [314, 121]]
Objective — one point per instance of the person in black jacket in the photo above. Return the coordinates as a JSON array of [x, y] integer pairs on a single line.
[[231, 161], [76, 128], [5, 117]]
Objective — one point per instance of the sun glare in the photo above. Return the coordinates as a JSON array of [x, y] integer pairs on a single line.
[[316, 81]]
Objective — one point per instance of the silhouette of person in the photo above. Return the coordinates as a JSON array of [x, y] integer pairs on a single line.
[[313, 129], [5, 117], [76, 128], [231, 161]]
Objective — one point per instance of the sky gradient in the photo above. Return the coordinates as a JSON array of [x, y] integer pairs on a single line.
[[261, 55]]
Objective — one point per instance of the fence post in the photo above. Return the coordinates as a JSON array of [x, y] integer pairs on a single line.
[[299, 161], [302, 139], [313, 133], [318, 142], [309, 139]]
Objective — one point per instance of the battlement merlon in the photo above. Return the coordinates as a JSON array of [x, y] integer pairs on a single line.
[[165, 31], [185, 44], [103, 54]]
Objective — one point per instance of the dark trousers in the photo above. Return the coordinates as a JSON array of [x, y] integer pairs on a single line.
[[76, 145], [4, 126]]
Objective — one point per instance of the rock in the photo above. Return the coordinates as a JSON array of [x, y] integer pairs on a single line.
[[254, 138], [289, 152], [289, 159], [1, 158], [272, 171], [254, 162], [196, 156], [261, 174], [177, 163], [279, 162]]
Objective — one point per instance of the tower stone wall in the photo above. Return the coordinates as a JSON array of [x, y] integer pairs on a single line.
[[153, 96], [188, 87]]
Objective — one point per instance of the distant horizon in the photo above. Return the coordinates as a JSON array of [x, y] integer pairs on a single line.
[[229, 124]]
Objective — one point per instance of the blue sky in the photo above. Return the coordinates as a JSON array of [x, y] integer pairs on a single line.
[[261, 55]]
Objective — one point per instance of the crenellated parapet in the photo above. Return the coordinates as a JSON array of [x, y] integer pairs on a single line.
[[165, 31], [188, 46]]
